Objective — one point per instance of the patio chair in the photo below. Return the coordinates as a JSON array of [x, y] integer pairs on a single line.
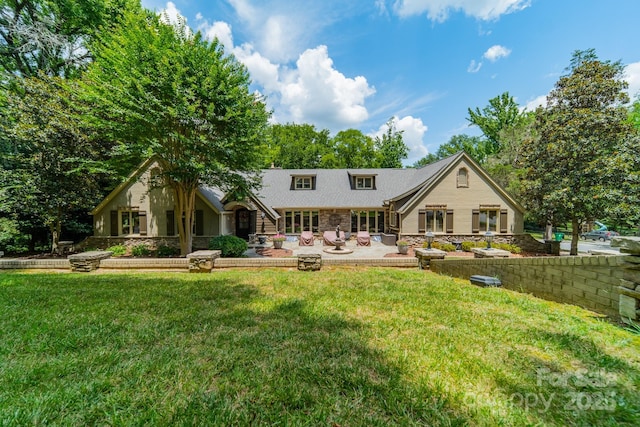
[[329, 237], [363, 238], [306, 238]]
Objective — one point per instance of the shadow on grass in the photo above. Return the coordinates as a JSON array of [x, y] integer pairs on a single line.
[[292, 367], [120, 349], [590, 388]]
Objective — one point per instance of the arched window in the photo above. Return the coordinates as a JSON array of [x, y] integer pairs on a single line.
[[463, 178]]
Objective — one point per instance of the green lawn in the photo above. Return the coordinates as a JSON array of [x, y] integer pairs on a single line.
[[342, 347]]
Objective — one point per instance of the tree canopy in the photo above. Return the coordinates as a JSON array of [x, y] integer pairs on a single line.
[[51, 36], [390, 147], [302, 146], [164, 90], [51, 158], [501, 113], [577, 166], [474, 146]]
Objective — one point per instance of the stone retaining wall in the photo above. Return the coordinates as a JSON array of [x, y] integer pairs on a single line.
[[26, 264], [588, 281], [524, 241]]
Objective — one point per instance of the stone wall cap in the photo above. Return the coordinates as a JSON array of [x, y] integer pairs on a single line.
[[90, 255], [309, 256], [204, 254], [627, 244], [427, 252]]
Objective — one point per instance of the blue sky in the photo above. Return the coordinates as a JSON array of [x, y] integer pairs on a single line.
[[340, 64]]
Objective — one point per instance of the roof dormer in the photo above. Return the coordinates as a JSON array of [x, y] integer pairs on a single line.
[[303, 182], [362, 181]]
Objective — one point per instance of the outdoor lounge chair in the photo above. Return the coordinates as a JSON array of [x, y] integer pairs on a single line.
[[306, 238], [363, 238], [329, 237]]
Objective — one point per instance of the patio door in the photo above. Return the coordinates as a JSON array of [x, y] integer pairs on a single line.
[[245, 223]]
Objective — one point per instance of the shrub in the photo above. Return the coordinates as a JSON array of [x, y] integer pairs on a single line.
[[402, 243], [230, 246], [447, 247], [140, 250], [117, 250], [167, 251], [467, 246], [279, 238], [507, 247]]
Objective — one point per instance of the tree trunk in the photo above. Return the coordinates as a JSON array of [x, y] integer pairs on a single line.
[[185, 207], [55, 227], [575, 236], [548, 231]]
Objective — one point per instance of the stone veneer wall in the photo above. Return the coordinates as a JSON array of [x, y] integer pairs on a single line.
[[199, 242], [523, 241], [588, 281], [327, 220]]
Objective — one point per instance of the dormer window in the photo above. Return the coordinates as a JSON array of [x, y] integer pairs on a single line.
[[362, 182], [303, 182]]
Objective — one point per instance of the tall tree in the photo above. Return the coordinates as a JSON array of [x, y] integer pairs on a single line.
[[50, 36], [474, 146], [167, 90], [353, 149], [390, 147], [297, 146], [501, 113], [51, 157], [573, 166]]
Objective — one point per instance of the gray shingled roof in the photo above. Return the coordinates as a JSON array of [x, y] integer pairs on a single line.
[[333, 186]]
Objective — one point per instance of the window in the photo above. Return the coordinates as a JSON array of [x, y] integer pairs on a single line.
[[435, 219], [299, 221], [393, 219], [130, 221], [304, 183], [463, 178], [371, 221], [488, 220], [364, 182]]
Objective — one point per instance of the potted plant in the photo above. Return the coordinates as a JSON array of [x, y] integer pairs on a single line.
[[403, 246], [278, 239]]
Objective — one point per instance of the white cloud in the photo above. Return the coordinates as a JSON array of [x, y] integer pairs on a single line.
[[532, 105], [413, 132], [496, 52], [281, 29], [172, 14], [262, 71], [438, 10], [632, 76], [319, 93], [474, 66], [222, 31]]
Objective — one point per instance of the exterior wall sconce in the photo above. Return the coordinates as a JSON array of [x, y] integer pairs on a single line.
[[429, 236]]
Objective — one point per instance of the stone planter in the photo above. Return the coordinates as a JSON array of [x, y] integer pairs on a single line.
[[277, 244], [262, 240], [403, 249]]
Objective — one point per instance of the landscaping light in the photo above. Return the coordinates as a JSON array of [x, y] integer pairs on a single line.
[[489, 238], [429, 237]]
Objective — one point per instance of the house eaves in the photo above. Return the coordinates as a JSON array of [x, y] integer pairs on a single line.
[[134, 176], [429, 174], [450, 166]]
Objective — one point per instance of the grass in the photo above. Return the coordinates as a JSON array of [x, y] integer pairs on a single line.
[[342, 347]]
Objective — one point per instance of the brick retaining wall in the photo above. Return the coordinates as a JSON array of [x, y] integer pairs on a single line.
[[588, 281]]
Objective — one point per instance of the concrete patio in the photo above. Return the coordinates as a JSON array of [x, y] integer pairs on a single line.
[[376, 250]]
